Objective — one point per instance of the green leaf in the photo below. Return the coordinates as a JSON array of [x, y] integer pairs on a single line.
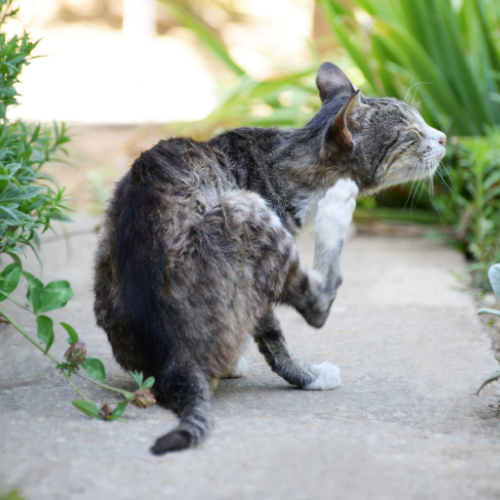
[[34, 295], [494, 277], [13, 193], [149, 382], [73, 336], [208, 38], [88, 408], [9, 279], [55, 295], [495, 312], [12, 215], [64, 366], [120, 408], [138, 377], [352, 45], [95, 369], [494, 376], [45, 327]]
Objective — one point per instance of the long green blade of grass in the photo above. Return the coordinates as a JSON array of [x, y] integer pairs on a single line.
[[469, 87], [412, 56], [206, 36], [353, 46]]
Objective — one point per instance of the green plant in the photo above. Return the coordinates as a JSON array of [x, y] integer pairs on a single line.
[[470, 201], [494, 276], [55, 295], [449, 47], [10, 494], [29, 203], [288, 100], [28, 199], [396, 43]]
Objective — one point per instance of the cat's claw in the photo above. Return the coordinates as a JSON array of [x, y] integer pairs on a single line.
[[328, 378]]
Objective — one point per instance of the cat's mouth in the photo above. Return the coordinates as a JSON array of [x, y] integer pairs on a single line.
[[424, 167], [429, 163]]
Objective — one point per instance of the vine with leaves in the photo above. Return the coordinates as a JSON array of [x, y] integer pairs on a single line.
[[29, 203]]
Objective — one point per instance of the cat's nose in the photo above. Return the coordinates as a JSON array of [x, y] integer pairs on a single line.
[[442, 139], [436, 135]]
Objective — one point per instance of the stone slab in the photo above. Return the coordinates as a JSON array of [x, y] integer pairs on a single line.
[[405, 425]]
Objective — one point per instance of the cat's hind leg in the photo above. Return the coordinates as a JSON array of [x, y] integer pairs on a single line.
[[312, 292], [272, 344]]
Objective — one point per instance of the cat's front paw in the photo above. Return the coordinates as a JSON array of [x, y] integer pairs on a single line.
[[335, 210], [328, 378]]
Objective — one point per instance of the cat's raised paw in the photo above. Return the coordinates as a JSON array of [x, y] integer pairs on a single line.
[[328, 378]]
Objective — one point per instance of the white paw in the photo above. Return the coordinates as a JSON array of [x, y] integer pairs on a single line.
[[238, 370], [335, 211], [328, 378]]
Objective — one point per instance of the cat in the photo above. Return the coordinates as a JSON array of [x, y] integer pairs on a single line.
[[197, 245]]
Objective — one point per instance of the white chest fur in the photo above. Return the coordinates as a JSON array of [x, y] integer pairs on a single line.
[[308, 207]]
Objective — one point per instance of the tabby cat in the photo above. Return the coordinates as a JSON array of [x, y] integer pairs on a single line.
[[198, 244]]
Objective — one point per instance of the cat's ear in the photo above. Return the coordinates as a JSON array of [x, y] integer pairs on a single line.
[[332, 81], [344, 126]]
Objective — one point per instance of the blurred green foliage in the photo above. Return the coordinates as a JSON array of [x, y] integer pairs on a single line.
[[450, 47], [12, 494], [446, 52], [472, 204], [287, 101], [29, 200]]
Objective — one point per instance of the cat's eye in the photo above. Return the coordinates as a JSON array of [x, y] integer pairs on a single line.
[[417, 129]]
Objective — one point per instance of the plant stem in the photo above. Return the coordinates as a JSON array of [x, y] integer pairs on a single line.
[[73, 385], [126, 394], [22, 332], [20, 305]]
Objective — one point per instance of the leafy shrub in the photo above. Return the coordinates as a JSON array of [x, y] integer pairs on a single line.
[[287, 101], [494, 277], [471, 203], [448, 46], [451, 48], [29, 202]]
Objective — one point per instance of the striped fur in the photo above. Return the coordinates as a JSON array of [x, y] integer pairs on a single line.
[[198, 244]]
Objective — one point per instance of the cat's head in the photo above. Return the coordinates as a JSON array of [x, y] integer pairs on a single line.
[[379, 142]]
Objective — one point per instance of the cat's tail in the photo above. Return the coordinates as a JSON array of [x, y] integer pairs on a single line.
[[151, 322], [187, 391]]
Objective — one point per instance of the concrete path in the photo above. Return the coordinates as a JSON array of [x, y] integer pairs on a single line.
[[405, 425]]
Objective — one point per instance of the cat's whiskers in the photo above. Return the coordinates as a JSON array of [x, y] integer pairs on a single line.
[[431, 190], [417, 107], [441, 164], [415, 95], [408, 91], [419, 188], [411, 188], [443, 178]]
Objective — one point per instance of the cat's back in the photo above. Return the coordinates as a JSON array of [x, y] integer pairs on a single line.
[[179, 172], [146, 229]]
